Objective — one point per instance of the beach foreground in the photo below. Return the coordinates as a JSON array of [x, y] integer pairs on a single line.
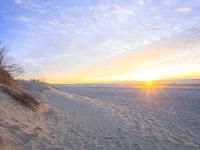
[[102, 117]]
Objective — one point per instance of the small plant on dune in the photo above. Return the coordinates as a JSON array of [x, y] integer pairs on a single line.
[[40, 81], [8, 70], [8, 64]]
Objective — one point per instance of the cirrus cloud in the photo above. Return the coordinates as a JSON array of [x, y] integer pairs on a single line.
[[184, 9]]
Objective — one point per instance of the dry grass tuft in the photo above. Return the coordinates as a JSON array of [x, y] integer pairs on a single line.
[[10, 86], [7, 79], [40, 81], [22, 97]]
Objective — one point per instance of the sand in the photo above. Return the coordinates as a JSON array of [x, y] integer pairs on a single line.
[[100, 117]]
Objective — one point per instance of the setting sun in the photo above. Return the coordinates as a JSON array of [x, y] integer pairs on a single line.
[[147, 76], [149, 83]]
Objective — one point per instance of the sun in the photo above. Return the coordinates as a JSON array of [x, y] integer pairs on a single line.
[[147, 76], [149, 83]]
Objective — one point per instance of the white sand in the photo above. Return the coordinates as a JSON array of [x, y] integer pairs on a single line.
[[102, 118]]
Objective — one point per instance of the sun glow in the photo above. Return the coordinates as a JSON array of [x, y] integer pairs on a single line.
[[144, 74], [148, 75], [149, 83]]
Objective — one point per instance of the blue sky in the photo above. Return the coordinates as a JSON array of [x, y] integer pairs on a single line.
[[63, 36]]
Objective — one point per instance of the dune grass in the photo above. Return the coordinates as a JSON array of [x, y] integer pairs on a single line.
[[10, 86], [22, 97]]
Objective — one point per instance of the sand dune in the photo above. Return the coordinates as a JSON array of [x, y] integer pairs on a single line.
[[101, 118]]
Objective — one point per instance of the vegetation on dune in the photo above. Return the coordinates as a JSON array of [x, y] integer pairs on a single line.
[[8, 70], [7, 79], [40, 81]]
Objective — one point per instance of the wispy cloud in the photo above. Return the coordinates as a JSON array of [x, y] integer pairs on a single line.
[[22, 18], [124, 11], [62, 31], [19, 1], [141, 2], [101, 8], [120, 9], [184, 9], [44, 27]]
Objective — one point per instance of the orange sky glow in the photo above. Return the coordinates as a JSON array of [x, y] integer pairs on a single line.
[[159, 61]]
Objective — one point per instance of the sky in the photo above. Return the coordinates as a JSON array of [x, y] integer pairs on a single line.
[[78, 41]]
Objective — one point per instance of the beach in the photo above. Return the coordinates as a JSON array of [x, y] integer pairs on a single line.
[[100, 117]]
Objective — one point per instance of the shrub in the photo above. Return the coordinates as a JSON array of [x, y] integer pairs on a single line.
[[9, 85], [40, 81], [7, 64]]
